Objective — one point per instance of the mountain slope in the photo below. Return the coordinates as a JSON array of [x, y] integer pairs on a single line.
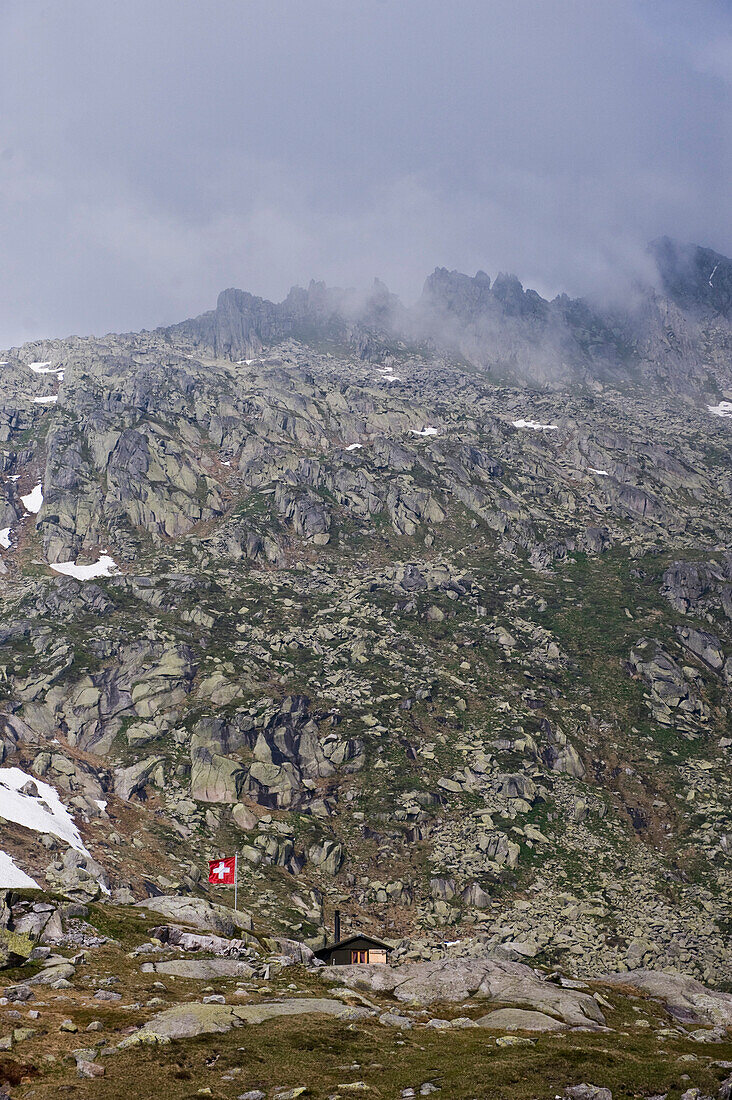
[[450, 653]]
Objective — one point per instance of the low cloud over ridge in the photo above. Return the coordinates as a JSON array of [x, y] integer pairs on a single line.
[[151, 155]]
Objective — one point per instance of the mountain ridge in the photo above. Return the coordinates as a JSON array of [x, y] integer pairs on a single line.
[[501, 325]]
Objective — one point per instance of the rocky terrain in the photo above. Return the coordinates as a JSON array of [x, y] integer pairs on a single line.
[[426, 612]]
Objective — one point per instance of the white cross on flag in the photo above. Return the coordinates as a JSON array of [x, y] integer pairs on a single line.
[[222, 872]]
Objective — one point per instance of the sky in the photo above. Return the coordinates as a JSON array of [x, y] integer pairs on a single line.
[[154, 152]]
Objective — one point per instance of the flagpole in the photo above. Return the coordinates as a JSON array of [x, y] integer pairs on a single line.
[[236, 878]]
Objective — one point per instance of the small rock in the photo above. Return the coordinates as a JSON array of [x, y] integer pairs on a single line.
[[703, 1035], [21, 1034], [19, 993], [393, 1019], [89, 1069], [588, 1092], [68, 1025]]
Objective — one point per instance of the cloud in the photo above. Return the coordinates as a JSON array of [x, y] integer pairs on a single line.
[[151, 155]]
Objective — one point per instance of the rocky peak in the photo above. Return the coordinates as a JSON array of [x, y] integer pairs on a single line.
[[457, 294], [693, 277]]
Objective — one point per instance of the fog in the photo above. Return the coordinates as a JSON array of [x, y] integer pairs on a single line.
[[153, 153]]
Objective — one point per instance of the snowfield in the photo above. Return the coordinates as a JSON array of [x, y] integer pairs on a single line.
[[45, 400], [354, 447], [724, 408], [34, 499], [425, 431], [105, 567], [45, 368], [537, 427], [11, 876], [5, 537], [602, 473], [43, 812]]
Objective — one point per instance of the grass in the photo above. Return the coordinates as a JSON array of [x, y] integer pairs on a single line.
[[324, 1055]]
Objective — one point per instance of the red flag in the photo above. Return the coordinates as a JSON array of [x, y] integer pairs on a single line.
[[222, 871]]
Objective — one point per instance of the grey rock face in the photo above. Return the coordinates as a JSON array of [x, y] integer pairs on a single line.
[[457, 980]]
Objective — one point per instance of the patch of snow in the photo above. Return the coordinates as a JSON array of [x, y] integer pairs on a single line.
[[248, 362], [724, 408], [354, 447], [228, 463], [43, 812], [43, 368], [4, 362], [712, 275], [387, 374], [105, 567], [5, 537], [602, 473], [101, 803], [535, 425], [45, 400], [11, 876], [425, 431], [34, 499], [14, 477]]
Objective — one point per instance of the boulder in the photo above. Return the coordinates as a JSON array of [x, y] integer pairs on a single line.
[[687, 1000], [519, 1019], [200, 969], [200, 913], [15, 948], [588, 1092], [189, 1020], [128, 781], [328, 856], [57, 972]]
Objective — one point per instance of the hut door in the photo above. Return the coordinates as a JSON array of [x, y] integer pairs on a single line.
[[359, 956]]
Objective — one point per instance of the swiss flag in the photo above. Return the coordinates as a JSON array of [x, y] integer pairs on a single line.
[[222, 871]]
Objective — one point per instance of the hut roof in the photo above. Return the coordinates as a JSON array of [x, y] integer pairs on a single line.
[[330, 947]]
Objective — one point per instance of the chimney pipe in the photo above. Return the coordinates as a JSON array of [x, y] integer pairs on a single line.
[[337, 925]]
